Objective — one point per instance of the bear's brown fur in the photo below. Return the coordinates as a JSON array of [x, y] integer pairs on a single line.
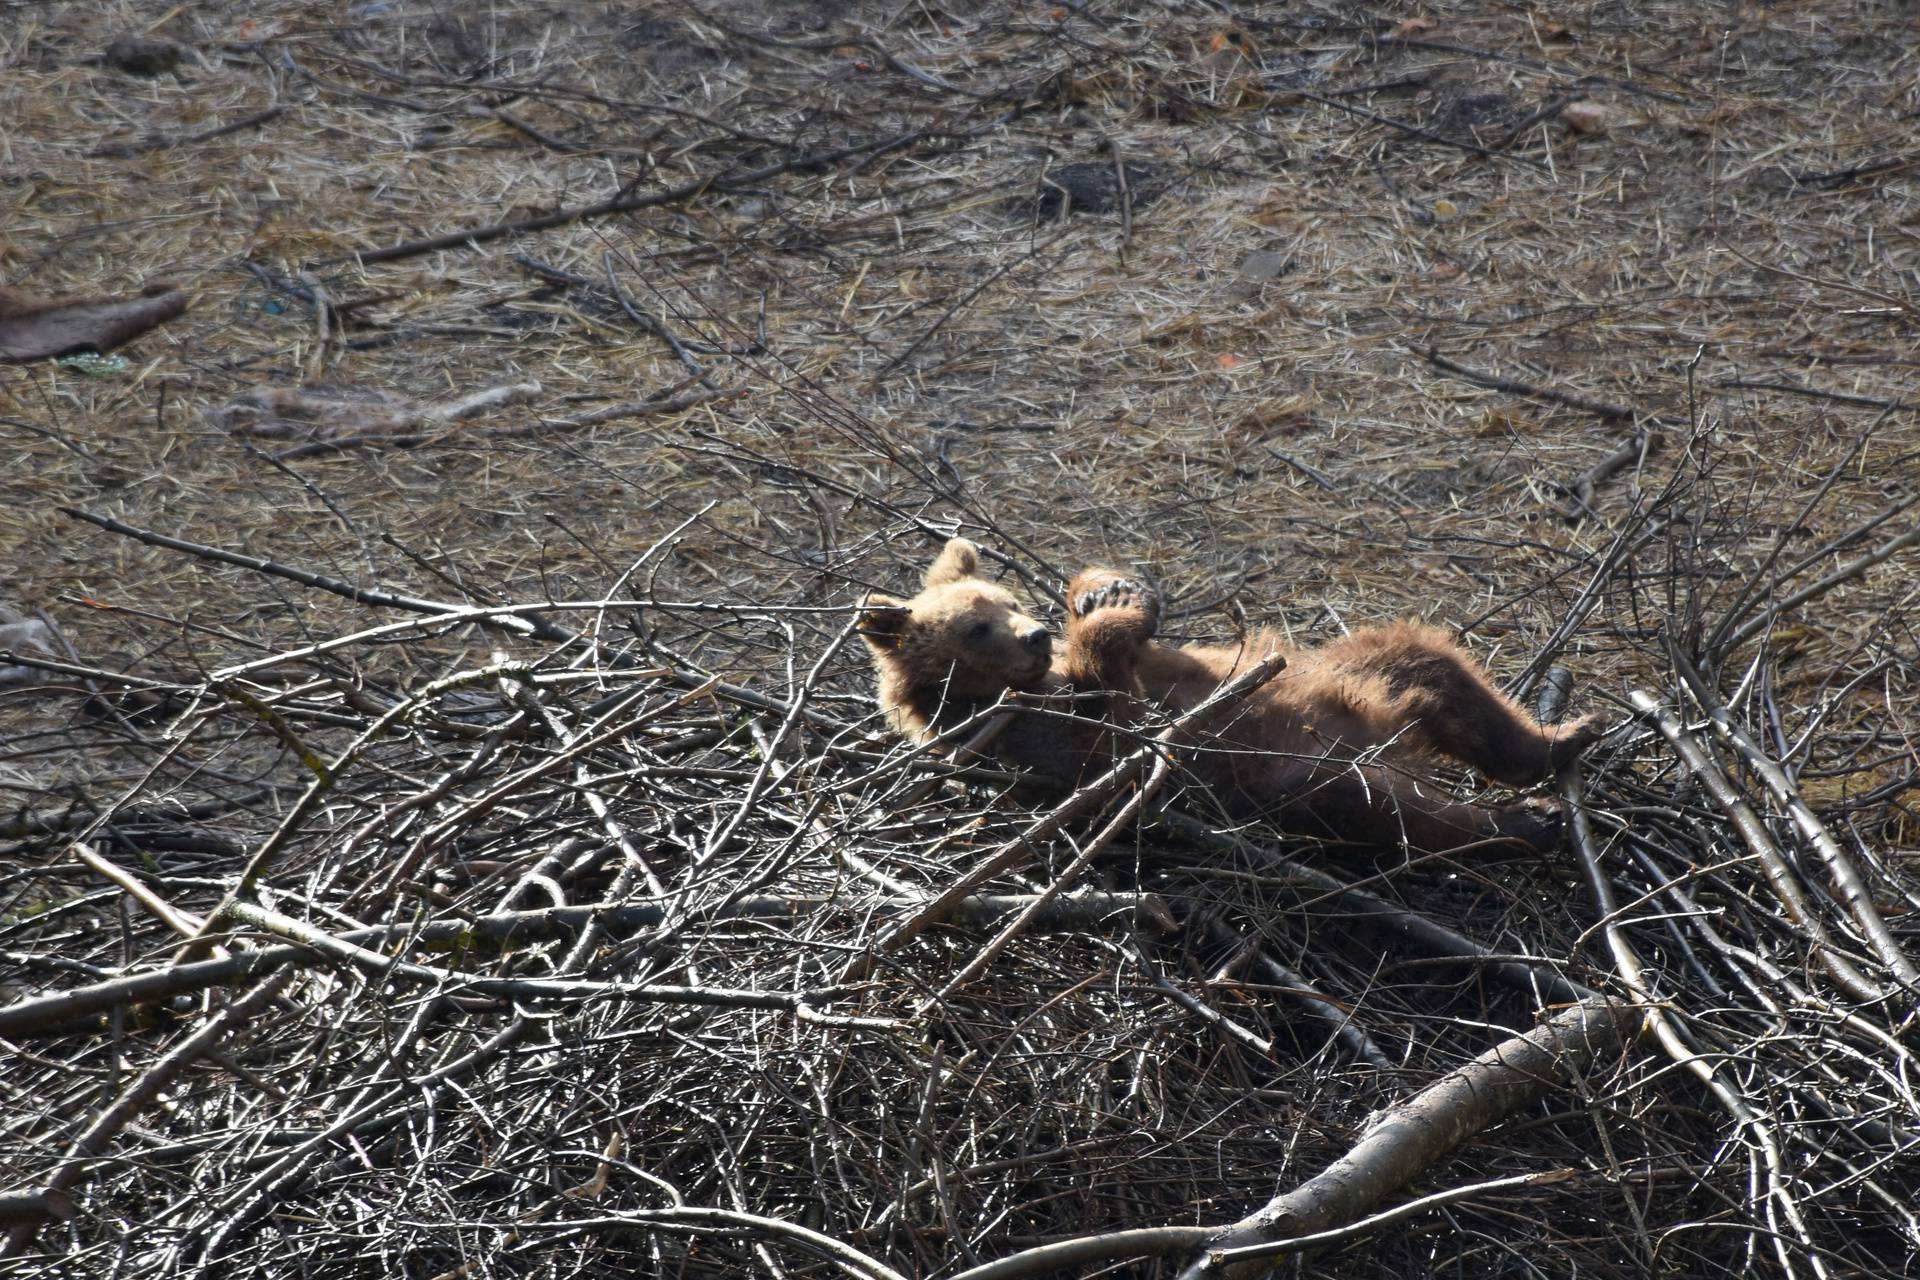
[[1323, 748]]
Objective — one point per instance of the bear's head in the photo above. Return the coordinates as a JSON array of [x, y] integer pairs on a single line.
[[961, 631]]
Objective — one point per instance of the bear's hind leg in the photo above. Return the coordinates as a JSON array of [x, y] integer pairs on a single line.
[[1378, 807], [1435, 690]]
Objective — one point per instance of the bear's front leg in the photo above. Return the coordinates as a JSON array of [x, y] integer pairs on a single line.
[[1133, 601], [1110, 618]]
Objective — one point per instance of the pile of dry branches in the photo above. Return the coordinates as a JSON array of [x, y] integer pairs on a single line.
[[570, 954]]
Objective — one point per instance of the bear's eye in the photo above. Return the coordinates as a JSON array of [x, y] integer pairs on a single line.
[[978, 631]]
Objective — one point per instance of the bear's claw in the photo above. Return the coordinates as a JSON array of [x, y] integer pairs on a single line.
[[1119, 593], [1570, 740]]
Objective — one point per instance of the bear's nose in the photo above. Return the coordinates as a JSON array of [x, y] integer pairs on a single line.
[[1037, 639]]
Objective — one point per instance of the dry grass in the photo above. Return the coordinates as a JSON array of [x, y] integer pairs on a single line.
[[903, 339]]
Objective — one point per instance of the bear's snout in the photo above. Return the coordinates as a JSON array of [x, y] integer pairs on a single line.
[[1037, 640]]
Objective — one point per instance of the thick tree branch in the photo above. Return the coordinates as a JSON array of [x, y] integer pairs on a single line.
[[1407, 1141]]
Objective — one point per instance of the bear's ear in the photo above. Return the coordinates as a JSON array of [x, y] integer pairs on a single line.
[[883, 621], [958, 561]]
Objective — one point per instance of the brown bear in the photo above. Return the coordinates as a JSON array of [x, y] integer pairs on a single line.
[[1323, 749]]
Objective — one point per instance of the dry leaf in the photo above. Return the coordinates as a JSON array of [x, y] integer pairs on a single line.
[[21, 634], [1256, 269], [253, 31], [1288, 417], [1587, 116], [135, 56], [1233, 44], [1229, 53], [1505, 422]]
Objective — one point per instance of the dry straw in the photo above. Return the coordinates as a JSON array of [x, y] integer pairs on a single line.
[[467, 850]]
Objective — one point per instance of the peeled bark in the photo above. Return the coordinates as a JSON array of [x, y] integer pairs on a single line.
[[35, 328], [1413, 1136]]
